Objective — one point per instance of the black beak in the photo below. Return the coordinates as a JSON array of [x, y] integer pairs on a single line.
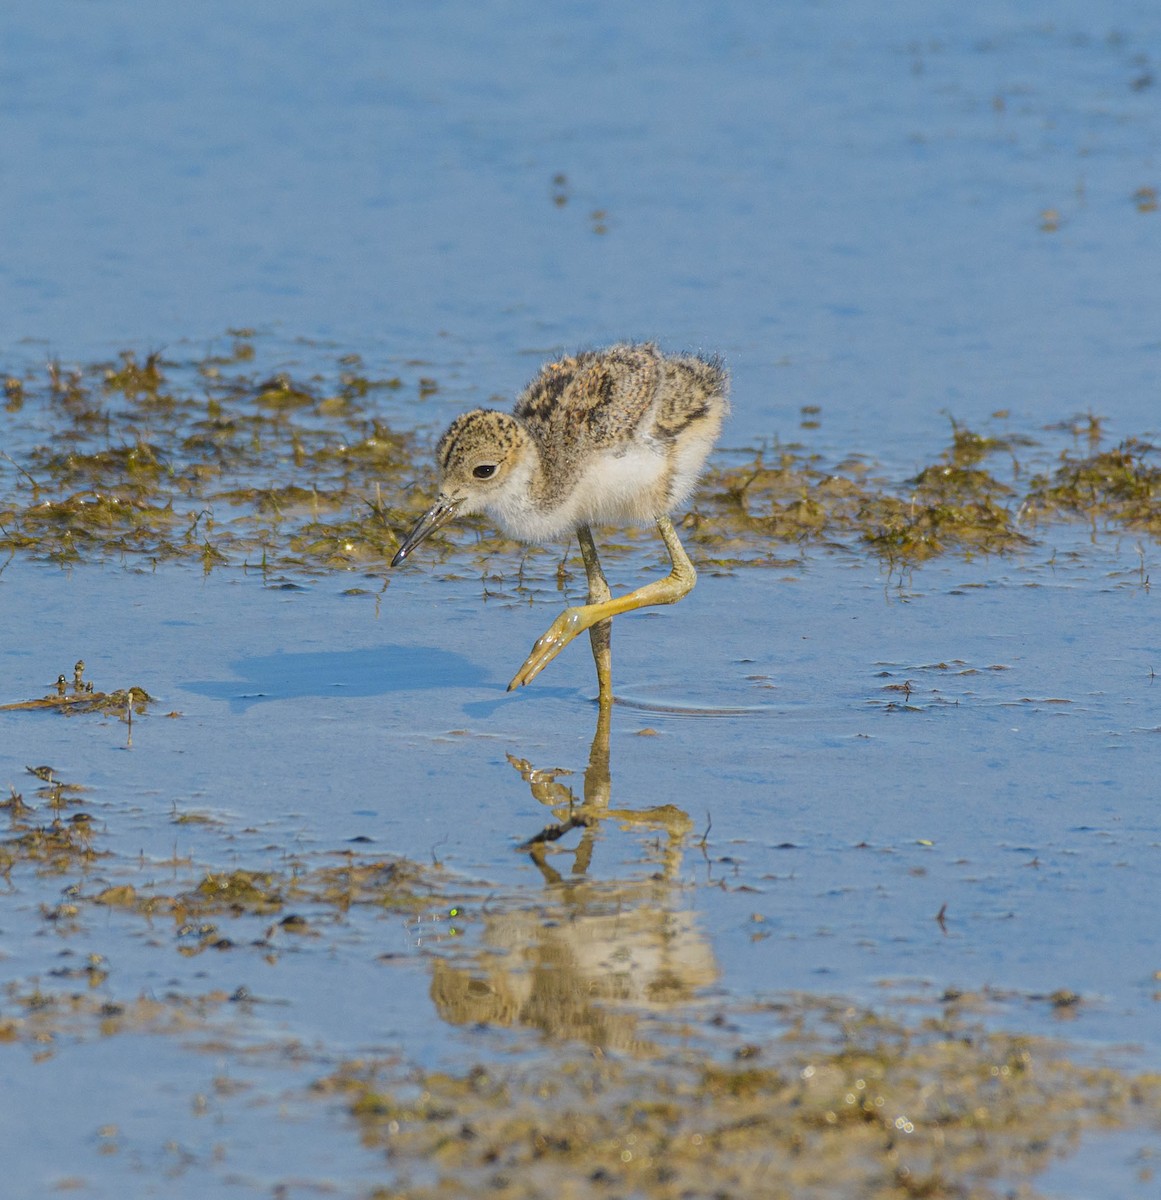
[[436, 517]]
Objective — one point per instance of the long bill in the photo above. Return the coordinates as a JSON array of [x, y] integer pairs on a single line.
[[436, 517]]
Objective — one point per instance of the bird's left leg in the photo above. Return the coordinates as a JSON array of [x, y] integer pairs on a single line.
[[576, 620]]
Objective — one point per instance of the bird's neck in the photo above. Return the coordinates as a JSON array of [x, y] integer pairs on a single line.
[[525, 509]]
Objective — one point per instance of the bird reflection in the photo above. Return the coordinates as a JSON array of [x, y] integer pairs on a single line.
[[585, 958]]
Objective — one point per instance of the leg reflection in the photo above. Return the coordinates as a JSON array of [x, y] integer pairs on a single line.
[[587, 814]]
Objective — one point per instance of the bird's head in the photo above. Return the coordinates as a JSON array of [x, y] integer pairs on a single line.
[[480, 458]]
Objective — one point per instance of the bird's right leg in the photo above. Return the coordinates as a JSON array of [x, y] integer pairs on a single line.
[[600, 634]]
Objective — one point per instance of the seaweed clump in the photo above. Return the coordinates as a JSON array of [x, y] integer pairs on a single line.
[[1118, 487]]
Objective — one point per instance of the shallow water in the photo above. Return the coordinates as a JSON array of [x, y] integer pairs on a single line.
[[1011, 788], [1012, 782], [838, 778]]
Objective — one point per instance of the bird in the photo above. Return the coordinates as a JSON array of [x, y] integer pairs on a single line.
[[601, 437]]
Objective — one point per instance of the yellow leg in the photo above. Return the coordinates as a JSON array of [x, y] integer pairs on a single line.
[[600, 634], [576, 620]]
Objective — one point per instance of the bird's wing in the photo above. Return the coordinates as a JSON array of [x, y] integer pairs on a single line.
[[593, 398]]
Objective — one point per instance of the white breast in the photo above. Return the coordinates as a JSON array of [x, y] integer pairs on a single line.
[[613, 489], [624, 488]]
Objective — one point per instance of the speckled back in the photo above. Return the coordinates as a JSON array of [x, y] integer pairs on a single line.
[[599, 399]]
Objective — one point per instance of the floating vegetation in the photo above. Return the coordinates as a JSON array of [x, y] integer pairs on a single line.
[[53, 835], [80, 696], [38, 1016], [952, 506], [1116, 487], [843, 1103], [216, 463], [205, 463]]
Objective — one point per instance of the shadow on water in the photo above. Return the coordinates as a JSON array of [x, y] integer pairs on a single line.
[[676, 708], [377, 671], [585, 959]]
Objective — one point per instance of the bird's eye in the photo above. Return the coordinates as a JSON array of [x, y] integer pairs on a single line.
[[484, 470]]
